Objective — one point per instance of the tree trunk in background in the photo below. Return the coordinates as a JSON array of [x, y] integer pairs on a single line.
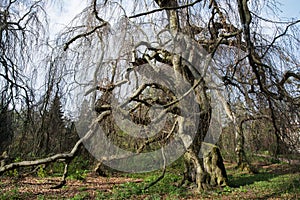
[[241, 159]]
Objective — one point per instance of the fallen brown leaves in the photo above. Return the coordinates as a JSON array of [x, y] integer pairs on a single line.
[[31, 187]]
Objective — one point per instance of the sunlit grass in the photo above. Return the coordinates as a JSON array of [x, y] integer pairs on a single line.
[[273, 181], [263, 185]]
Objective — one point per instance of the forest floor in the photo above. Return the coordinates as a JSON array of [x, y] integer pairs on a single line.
[[274, 181]]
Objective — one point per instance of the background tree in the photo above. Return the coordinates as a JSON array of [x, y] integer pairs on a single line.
[[6, 126], [21, 32]]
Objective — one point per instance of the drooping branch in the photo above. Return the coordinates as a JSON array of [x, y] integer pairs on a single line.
[[18, 30], [279, 36], [67, 44], [254, 59]]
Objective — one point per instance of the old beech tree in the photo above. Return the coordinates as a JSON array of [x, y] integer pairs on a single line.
[[250, 54]]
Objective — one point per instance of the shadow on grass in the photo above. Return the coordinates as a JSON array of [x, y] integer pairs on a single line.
[[266, 172], [273, 181], [289, 189], [248, 179]]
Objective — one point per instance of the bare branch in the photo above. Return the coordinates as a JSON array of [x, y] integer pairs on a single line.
[[96, 12], [164, 8], [288, 75], [84, 35]]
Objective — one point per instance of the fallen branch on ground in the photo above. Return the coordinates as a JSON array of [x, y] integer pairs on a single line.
[[67, 157]]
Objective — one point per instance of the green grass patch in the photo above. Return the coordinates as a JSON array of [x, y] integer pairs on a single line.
[[165, 187], [13, 194], [268, 183], [272, 182]]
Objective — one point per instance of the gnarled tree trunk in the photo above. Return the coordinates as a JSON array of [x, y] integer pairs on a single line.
[[211, 172]]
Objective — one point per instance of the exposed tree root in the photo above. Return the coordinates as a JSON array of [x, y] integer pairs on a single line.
[[64, 177]]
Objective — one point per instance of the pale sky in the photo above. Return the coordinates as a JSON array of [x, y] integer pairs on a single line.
[[291, 8], [62, 12]]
